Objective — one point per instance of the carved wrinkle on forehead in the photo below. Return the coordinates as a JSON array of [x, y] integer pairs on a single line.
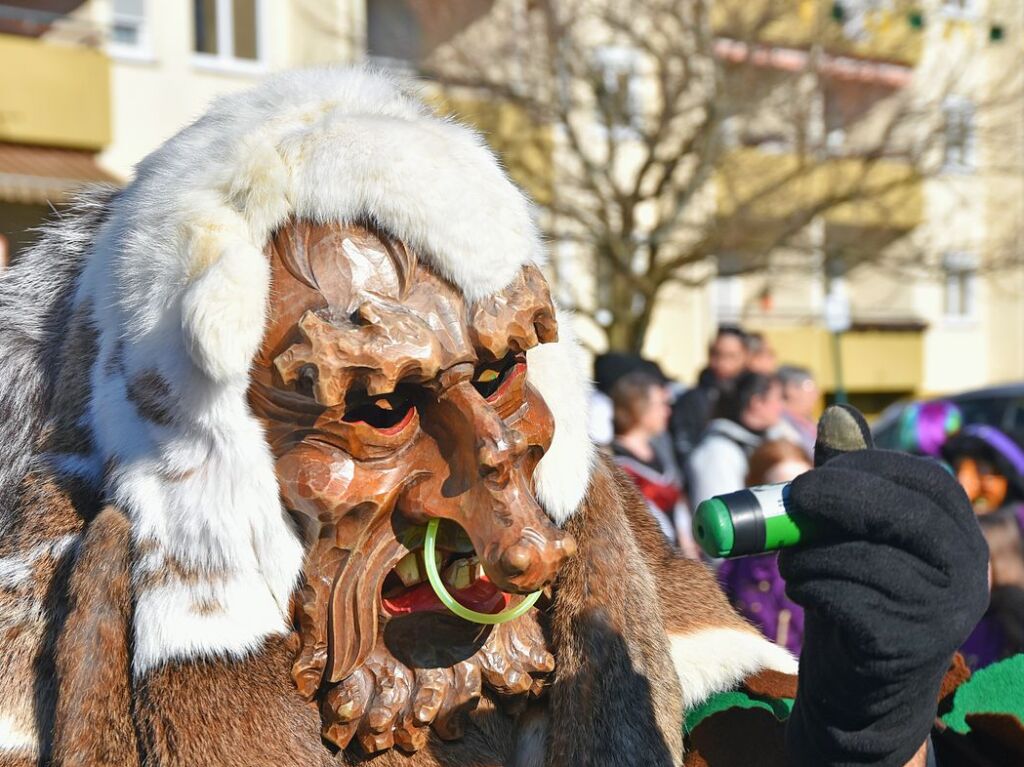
[[397, 326]]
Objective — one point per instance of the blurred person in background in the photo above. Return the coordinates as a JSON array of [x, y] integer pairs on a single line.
[[753, 584], [761, 356], [746, 416], [990, 467], [800, 398], [727, 358], [924, 427], [608, 369], [641, 413]]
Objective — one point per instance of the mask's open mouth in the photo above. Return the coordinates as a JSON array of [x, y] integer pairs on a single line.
[[406, 589]]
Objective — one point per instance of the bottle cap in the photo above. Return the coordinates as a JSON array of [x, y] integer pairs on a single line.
[[713, 529]]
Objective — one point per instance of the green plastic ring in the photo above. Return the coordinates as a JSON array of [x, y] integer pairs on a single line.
[[429, 544]]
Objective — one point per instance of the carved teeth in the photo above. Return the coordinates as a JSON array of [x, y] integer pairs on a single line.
[[459, 574], [411, 570], [408, 569], [462, 572]]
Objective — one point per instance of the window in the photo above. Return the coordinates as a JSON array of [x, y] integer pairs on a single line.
[[835, 141], [618, 87], [128, 27], [961, 277], [855, 15], [393, 33], [958, 117], [733, 133], [228, 30], [728, 289]]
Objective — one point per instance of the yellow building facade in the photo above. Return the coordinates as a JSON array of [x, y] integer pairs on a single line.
[[179, 56], [55, 117]]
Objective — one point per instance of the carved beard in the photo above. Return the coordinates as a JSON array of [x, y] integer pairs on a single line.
[[389, 402]]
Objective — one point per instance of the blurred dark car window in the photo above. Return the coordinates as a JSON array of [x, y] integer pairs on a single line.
[[1002, 407]]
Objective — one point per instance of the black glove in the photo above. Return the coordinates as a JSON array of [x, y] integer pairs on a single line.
[[894, 589]]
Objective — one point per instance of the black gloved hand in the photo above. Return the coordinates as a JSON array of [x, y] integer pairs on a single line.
[[894, 589]]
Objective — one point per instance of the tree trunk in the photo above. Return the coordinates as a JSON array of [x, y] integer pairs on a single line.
[[628, 327]]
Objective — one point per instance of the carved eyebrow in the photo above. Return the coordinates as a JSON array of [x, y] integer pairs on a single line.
[[367, 356], [516, 319], [455, 374]]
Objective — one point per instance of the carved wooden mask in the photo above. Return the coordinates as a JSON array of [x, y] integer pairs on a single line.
[[388, 400]]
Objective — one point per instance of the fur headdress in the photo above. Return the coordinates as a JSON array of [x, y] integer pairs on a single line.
[[128, 333]]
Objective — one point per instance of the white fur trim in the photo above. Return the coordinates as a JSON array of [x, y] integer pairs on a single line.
[[558, 372], [187, 621], [15, 739], [716, 660], [223, 311], [200, 491], [209, 500]]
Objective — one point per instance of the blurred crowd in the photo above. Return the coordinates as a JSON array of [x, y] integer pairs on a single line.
[[749, 421]]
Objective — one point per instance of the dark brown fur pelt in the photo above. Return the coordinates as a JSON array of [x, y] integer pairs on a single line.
[[690, 596], [615, 699], [228, 713], [93, 725], [767, 683], [16, 760]]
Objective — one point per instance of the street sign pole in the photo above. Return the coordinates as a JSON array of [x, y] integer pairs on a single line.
[[837, 368], [838, 321]]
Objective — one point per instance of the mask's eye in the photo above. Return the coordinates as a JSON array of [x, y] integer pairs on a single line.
[[386, 412], [490, 377]]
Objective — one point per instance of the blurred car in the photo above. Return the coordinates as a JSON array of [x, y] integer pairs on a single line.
[[999, 406]]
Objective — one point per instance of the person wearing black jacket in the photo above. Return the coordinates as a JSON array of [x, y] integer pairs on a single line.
[[691, 413]]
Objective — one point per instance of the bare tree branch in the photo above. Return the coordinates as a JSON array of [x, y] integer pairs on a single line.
[[675, 132]]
